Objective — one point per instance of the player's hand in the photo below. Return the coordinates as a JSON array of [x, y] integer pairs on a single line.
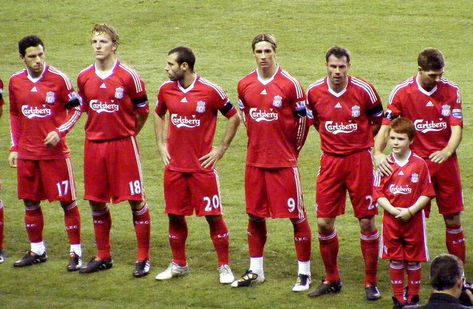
[[440, 156], [394, 211], [404, 214], [212, 157], [382, 164], [13, 159], [52, 139], [163, 150]]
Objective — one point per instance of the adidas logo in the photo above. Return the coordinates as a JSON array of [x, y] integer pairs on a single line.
[[263, 92], [401, 173], [429, 104], [338, 105], [184, 100], [34, 89], [103, 86]]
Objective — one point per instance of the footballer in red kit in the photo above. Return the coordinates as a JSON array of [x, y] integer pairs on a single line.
[[190, 178], [347, 112], [114, 98], [403, 195], [2, 222], [43, 109], [273, 106], [434, 105]]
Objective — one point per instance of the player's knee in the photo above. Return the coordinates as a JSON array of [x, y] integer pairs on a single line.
[[255, 219], [325, 225], [452, 220]]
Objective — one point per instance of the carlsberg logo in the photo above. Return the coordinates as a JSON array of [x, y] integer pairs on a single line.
[[425, 126], [104, 107], [336, 128], [259, 115], [399, 189], [35, 112], [180, 121]]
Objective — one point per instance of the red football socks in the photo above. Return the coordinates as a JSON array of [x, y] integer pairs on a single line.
[[396, 274], [414, 275], [72, 222], [177, 240], [34, 223], [142, 224], [455, 239], [102, 225], [302, 239], [219, 236], [370, 249], [329, 251], [256, 237]]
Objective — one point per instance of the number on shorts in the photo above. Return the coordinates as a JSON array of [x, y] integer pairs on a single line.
[[135, 187], [291, 204], [369, 198], [62, 187], [214, 202]]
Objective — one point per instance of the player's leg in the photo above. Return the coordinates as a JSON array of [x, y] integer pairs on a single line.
[[303, 244], [177, 241], [220, 239], [449, 197], [330, 201], [102, 225], [360, 187], [72, 223], [396, 275], [58, 181], [414, 276], [30, 190], [257, 209], [142, 225], [177, 206]]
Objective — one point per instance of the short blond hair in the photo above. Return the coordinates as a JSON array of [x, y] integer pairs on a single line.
[[265, 37], [108, 29]]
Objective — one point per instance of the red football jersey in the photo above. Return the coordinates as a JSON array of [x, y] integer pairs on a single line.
[[1, 93], [274, 112], [433, 113], [408, 181], [111, 102], [37, 107], [345, 119], [193, 119]]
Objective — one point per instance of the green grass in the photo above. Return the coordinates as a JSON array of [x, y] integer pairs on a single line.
[[384, 38]]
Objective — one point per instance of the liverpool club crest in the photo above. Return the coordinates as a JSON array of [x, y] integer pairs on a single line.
[[119, 93], [355, 111], [50, 97], [277, 101], [445, 110], [415, 178], [200, 107]]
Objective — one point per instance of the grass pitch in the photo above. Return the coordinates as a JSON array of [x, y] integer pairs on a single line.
[[384, 38]]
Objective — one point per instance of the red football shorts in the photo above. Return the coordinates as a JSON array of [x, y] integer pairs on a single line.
[[185, 193], [447, 184], [405, 241], [46, 179], [112, 171], [274, 192], [337, 174]]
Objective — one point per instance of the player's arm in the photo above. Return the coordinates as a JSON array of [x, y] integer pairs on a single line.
[[161, 138], [15, 128], [387, 206], [217, 153], [452, 145], [405, 214], [140, 121], [381, 161]]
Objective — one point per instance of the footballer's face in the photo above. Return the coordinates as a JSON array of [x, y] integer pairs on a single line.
[[399, 143], [34, 60], [429, 79], [265, 55], [337, 71], [173, 68], [103, 46]]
